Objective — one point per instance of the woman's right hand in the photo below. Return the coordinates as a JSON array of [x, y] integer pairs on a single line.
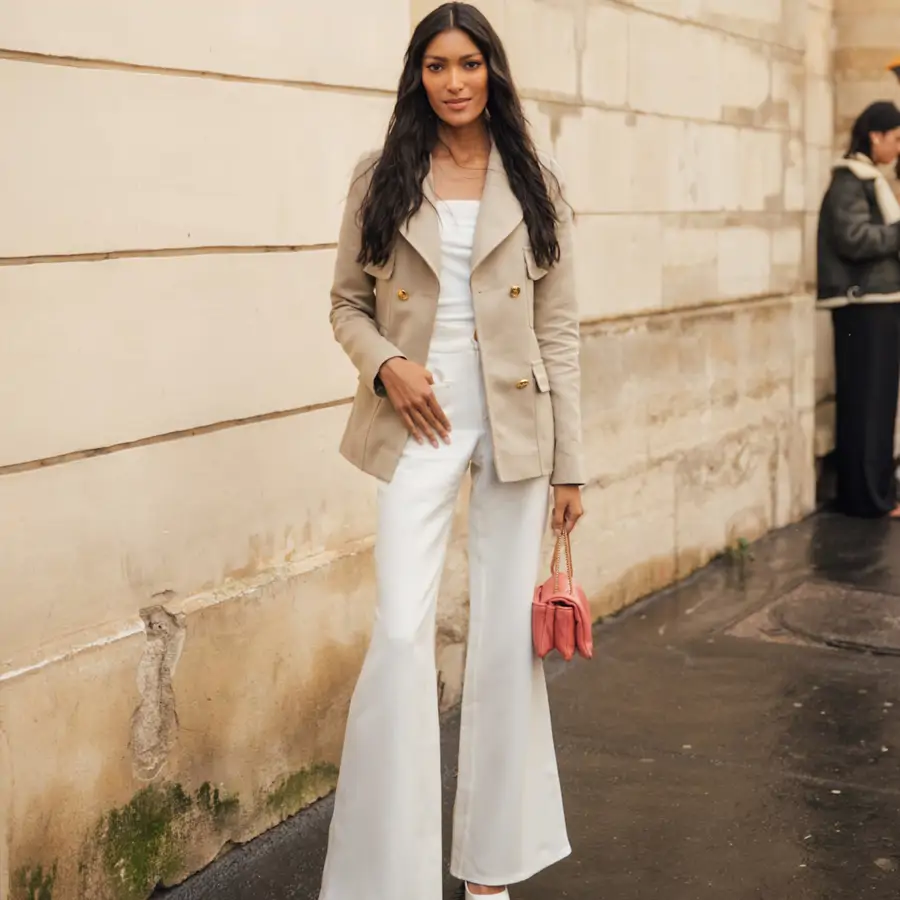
[[409, 388]]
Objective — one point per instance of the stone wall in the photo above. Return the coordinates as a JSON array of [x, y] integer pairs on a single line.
[[187, 575], [821, 151]]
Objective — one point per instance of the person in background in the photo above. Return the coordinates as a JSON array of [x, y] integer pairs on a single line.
[[859, 280], [454, 297]]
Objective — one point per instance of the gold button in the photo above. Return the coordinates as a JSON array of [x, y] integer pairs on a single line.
[[523, 383], [402, 295], [514, 291]]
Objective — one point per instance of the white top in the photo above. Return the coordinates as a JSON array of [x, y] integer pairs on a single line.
[[458, 220]]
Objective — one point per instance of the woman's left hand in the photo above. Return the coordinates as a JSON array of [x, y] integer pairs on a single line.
[[567, 508]]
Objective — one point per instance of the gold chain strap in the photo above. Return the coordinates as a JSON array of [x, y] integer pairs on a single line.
[[564, 545]]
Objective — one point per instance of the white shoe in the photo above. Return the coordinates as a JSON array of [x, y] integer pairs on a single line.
[[503, 895]]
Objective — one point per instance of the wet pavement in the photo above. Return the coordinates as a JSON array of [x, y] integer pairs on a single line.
[[734, 737]]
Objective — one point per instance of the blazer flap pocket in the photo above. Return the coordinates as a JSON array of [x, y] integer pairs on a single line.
[[541, 379], [383, 271], [535, 272]]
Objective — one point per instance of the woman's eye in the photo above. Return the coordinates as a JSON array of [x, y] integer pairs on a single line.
[[434, 67], [473, 64]]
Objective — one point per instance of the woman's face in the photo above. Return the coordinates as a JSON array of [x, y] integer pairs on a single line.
[[885, 147], [455, 77]]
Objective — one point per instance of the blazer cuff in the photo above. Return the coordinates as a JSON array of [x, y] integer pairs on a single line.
[[568, 468], [369, 372]]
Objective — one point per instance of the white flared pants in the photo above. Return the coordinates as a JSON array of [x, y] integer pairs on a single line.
[[508, 824]]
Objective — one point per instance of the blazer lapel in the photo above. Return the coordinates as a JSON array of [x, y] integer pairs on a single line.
[[423, 231], [500, 212], [498, 216]]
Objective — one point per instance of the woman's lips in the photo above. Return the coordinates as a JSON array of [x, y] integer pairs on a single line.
[[457, 104]]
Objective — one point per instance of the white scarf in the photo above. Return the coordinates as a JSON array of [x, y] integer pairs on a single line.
[[864, 169]]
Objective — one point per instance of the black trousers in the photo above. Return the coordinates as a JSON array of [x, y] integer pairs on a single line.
[[867, 367]]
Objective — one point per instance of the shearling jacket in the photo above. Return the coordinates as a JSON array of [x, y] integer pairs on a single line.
[[858, 254]]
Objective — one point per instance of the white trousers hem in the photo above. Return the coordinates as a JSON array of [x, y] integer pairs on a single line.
[[494, 880]]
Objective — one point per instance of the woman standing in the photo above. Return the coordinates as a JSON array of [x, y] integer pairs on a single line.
[[859, 279], [453, 296]]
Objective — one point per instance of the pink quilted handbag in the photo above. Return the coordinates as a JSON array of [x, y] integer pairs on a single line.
[[560, 614]]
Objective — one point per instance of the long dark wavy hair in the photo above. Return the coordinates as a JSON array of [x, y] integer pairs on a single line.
[[396, 194]]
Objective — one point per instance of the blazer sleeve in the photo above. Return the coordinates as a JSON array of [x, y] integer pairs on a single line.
[[856, 237], [353, 315], [556, 324]]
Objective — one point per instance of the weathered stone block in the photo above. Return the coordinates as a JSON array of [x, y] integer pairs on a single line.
[[172, 162], [745, 80], [685, 166], [674, 68], [716, 167], [722, 495], [762, 167], [544, 119], [803, 340], [604, 65], [68, 754], [820, 40], [690, 259], [819, 116], [794, 196], [810, 232], [689, 10], [861, 29], [625, 547], [618, 265], [819, 161], [259, 733], [785, 107], [762, 21], [613, 404], [596, 150], [787, 259], [277, 41], [171, 518], [220, 337], [657, 148], [543, 44], [795, 481], [660, 386], [744, 262]]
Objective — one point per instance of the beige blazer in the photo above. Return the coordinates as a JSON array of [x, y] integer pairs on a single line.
[[526, 325]]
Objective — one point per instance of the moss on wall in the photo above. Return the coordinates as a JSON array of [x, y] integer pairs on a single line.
[[142, 844], [302, 788], [34, 884]]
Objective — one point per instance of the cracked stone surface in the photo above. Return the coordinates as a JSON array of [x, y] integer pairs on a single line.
[[696, 763]]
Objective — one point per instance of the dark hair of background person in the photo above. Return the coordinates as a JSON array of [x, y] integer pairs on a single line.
[[878, 118], [396, 194]]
